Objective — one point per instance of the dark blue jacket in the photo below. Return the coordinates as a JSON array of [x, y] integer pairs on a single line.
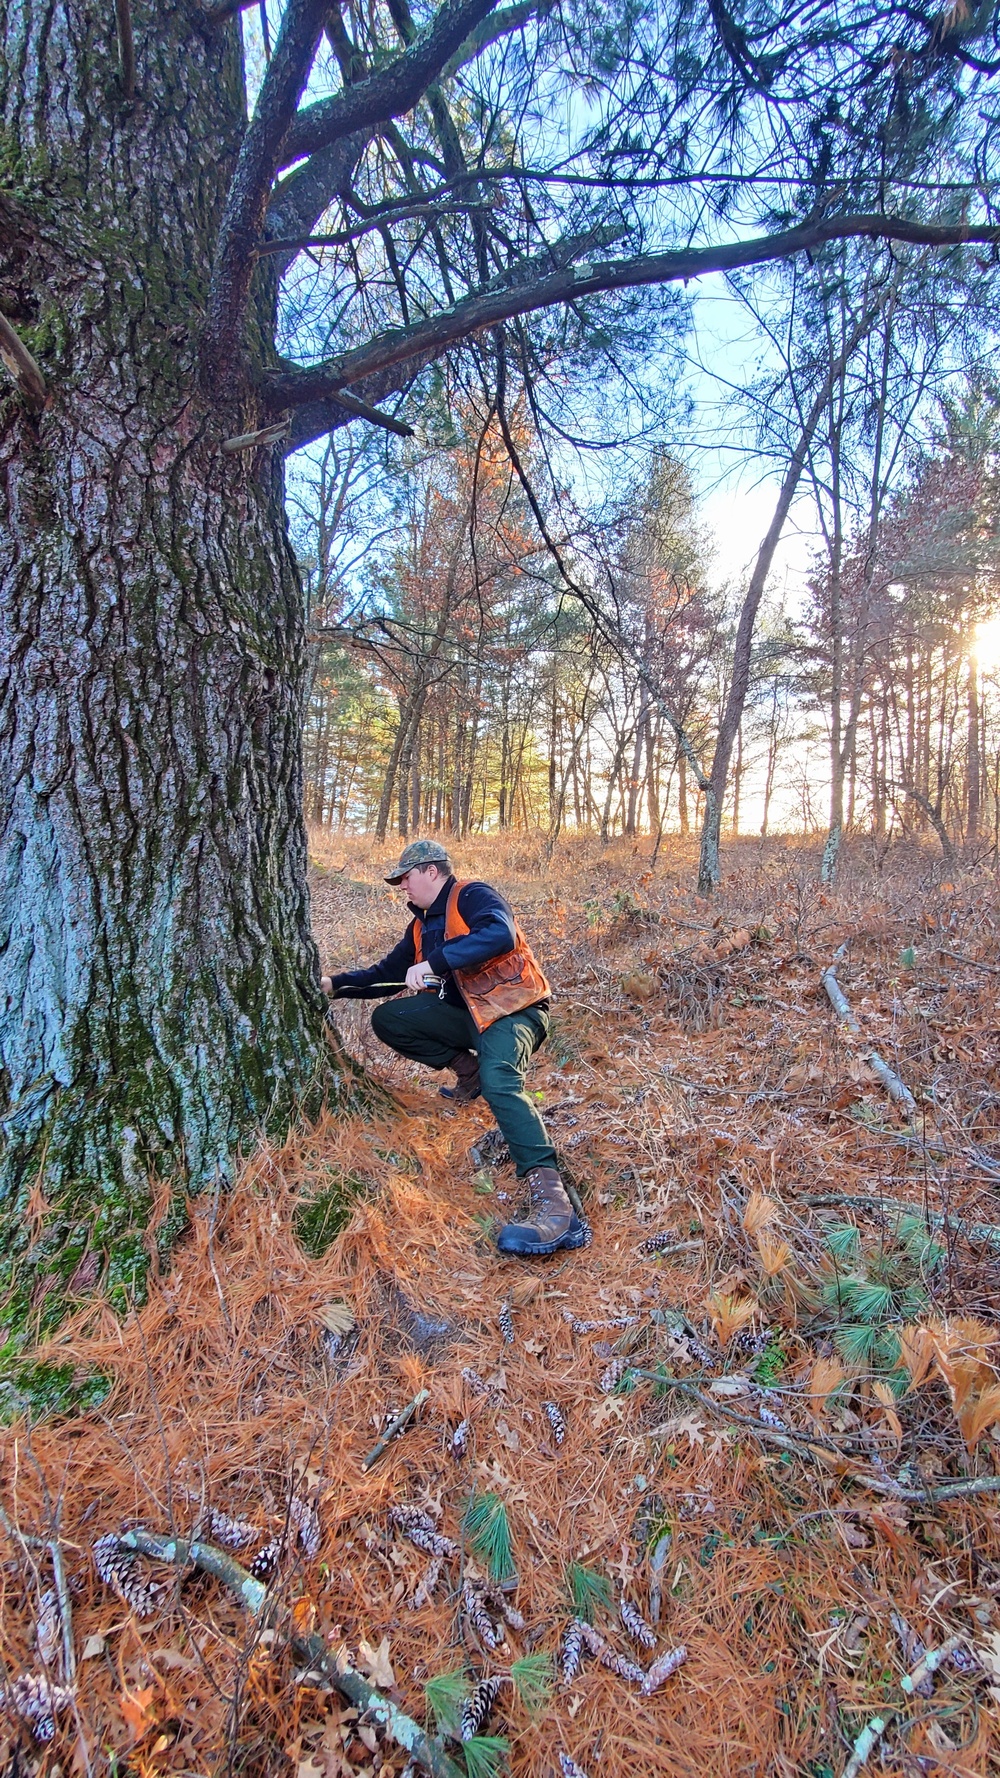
[[491, 934]]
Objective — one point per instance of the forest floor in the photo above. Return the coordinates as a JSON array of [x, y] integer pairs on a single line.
[[775, 1366]]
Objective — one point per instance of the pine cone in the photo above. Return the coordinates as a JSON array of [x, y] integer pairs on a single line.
[[569, 1767], [506, 1321], [424, 1590], [588, 1327], [656, 1243], [411, 1517], [303, 1517], [609, 1657], [477, 1710], [496, 1597], [460, 1440], [479, 1617], [768, 1419], [36, 1702], [612, 1376], [636, 1625], [119, 1570], [48, 1630], [620, 1664], [660, 1670], [266, 1560], [571, 1652], [418, 1527], [555, 1420], [479, 1385], [232, 1533]]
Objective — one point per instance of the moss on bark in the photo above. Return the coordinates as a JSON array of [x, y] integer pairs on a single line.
[[160, 1008]]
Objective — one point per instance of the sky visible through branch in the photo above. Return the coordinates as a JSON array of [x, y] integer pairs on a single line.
[[691, 395]]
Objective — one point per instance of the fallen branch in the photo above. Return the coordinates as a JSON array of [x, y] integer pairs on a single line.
[[65, 1609], [820, 1451], [970, 962], [63, 1602], [872, 1733], [985, 1232], [897, 1090], [395, 1427], [21, 366], [251, 1592], [311, 1651]]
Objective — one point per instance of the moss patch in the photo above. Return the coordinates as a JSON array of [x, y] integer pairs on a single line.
[[321, 1216]]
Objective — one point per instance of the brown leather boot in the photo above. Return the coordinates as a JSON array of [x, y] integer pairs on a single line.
[[551, 1221], [466, 1066]]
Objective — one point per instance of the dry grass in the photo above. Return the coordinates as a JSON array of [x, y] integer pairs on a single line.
[[782, 1576]]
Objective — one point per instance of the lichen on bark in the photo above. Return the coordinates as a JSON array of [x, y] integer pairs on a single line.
[[160, 1004]]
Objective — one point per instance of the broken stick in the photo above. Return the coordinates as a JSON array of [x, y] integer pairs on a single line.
[[395, 1427], [896, 1088], [332, 1666]]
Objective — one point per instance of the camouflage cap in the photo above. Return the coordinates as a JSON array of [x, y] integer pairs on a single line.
[[418, 853]]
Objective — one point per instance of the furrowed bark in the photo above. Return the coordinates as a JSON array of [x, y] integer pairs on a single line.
[[160, 1004], [253, 176]]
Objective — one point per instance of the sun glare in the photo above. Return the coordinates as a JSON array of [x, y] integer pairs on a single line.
[[988, 645]]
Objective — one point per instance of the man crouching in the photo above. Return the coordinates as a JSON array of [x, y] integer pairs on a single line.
[[485, 1021]]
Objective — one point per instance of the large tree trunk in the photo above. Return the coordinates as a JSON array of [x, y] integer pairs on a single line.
[[160, 1000]]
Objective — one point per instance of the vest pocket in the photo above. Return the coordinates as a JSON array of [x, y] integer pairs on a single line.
[[497, 971]]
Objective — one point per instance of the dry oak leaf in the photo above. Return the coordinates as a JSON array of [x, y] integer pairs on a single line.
[[376, 1663], [135, 1708], [612, 1408], [689, 1425], [639, 986]]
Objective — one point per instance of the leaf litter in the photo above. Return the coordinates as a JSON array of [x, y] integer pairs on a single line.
[[785, 1532]]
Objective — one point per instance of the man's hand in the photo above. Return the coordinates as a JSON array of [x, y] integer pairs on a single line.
[[416, 975], [326, 983]]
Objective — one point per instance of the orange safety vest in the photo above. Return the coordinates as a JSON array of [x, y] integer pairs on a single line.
[[502, 985]]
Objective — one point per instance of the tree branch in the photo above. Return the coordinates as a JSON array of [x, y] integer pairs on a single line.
[[226, 9], [126, 47], [312, 1650], [21, 366], [524, 293], [501, 24], [342, 237], [360, 410], [394, 90], [301, 199], [287, 72], [314, 419]]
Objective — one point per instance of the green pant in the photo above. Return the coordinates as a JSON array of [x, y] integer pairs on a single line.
[[428, 1030]]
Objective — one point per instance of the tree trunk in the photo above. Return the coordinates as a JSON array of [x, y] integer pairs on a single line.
[[160, 1003], [973, 770], [732, 715]]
